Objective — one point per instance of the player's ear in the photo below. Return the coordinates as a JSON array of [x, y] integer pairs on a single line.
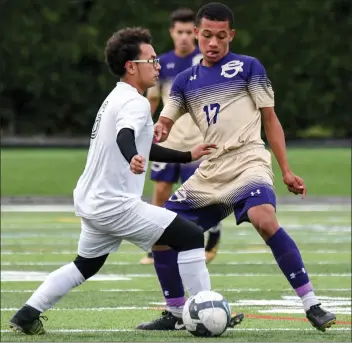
[[130, 67], [171, 31], [232, 34], [196, 32]]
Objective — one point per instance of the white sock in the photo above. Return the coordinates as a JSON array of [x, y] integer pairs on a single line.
[[56, 285], [193, 270], [176, 311], [309, 300]]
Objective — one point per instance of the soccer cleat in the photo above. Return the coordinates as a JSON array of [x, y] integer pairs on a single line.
[[27, 321], [320, 318], [147, 259], [167, 322], [212, 246], [236, 319]]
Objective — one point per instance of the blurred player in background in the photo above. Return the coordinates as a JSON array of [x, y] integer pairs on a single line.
[[229, 96], [185, 133]]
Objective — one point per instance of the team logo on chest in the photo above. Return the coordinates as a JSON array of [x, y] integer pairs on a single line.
[[231, 69]]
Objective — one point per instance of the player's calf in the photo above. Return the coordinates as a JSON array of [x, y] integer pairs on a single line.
[[56, 285], [290, 261], [187, 239]]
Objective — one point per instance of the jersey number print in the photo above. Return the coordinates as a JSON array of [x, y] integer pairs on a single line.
[[211, 112], [97, 120]]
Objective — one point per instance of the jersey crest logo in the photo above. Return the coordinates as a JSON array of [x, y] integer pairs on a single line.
[[231, 69]]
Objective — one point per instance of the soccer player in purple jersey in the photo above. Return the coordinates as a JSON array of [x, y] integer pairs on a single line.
[[184, 136], [229, 96]]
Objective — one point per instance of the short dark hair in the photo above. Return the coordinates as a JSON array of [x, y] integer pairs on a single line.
[[184, 15], [215, 11], [123, 46]]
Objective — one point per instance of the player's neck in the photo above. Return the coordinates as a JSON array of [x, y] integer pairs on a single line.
[[134, 84], [184, 53]]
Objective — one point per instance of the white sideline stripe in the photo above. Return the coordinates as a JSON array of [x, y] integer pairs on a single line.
[[234, 290], [124, 263], [70, 208], [133, 330], [10, 276], [221, 252]]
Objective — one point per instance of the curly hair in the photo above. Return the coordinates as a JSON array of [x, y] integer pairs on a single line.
[[123, 46]]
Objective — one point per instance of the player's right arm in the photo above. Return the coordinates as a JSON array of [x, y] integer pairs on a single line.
[[174, 108]]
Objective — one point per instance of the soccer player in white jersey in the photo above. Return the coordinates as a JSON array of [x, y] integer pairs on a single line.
[[184, 136], [108, 193], [229, 96]]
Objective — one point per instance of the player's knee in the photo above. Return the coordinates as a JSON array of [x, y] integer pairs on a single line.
[[182, 235], [191, 235], [263, 218], [89, 266]]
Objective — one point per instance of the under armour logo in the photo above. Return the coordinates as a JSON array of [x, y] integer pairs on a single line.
[[293, 275], [193, 77], [256, 192]]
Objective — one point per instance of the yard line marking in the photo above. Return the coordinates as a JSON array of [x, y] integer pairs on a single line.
[[230, 290], [281, 208], [134, 330], [10, 276], [268, 317], [125, 263], [337, 310], [132, 252]]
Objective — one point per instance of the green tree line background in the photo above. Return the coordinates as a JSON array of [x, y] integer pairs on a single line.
[[53, 75]]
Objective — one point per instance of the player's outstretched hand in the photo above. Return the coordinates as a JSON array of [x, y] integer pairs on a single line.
[[160, 133], [137, 164], [201, 150], [295, 184]]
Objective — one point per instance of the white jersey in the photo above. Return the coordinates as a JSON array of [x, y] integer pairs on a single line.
[[107, 185]]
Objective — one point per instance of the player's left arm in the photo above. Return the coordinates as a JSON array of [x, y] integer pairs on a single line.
[[261, 91], [276, 138]]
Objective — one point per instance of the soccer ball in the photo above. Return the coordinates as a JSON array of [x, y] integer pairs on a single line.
[[207, 314]]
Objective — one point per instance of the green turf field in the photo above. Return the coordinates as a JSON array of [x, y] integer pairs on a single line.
[[126, 293], [55, 172]]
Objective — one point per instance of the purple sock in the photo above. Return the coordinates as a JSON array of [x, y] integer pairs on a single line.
[[290, 261], [166, 267]]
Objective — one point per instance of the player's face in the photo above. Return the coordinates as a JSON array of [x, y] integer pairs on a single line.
[[148, 72], [214, 38], [183, 36]]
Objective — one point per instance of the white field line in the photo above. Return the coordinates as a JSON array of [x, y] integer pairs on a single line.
[[70, 208], [229, 290], [70, 331], [16, 276], [336, 310], [134, 252], [125, 263], [66, 244]]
